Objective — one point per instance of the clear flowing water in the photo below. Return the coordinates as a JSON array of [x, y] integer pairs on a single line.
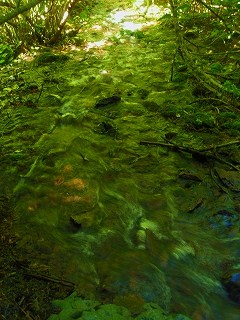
[[108, 215]]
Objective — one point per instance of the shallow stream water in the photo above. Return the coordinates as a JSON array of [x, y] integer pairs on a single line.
[[117, 218], [111, 216]]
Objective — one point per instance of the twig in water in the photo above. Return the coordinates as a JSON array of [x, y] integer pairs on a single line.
[[221, 146], [199, 154], [50, 279]]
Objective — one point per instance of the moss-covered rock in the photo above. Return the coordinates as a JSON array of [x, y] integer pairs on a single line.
[[48, 57]]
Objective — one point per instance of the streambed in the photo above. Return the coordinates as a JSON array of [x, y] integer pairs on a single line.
[[113, 217]]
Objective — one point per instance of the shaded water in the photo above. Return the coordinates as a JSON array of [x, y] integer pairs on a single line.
[[109, 215]]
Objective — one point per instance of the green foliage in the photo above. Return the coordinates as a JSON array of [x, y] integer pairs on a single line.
[[125, 34], [6, 54], [226, 3], [137, 34], [80, 16], [211, 35], [184, 7], [219, 34], [84, 14], [73, 307], [44, 23]]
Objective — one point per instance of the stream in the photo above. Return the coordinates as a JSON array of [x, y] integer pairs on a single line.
[[93, 206]]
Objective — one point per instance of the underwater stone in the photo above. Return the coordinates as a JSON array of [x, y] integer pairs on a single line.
[[151, 105], [232, 286], [106, 101]]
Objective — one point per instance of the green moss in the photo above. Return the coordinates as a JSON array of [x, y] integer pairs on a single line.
[[202, 119], [229, 120], [171, 111], [233, 133], [227, 115], [6, 54], [233, 125], [48, 57]]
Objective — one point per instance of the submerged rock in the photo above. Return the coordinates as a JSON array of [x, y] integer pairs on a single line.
[[232, 286], [230, 179], [106, 101]]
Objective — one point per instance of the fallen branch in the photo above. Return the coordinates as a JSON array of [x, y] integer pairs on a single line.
[[50, 279], [227, 144], [209, 99], [198, 154], [219, 185]]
